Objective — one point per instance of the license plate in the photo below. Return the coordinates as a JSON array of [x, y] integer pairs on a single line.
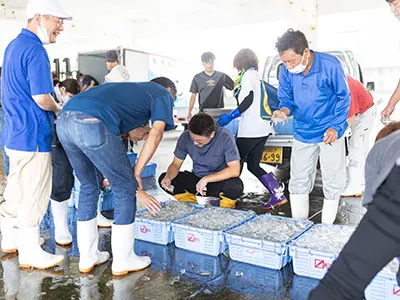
[[272, 155]]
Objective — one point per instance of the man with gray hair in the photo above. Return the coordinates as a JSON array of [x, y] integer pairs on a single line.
[[29, 111]]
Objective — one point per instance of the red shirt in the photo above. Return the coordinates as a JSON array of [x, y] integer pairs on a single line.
[[361, 98]]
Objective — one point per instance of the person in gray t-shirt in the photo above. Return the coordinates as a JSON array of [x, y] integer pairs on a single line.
[[216, 164]]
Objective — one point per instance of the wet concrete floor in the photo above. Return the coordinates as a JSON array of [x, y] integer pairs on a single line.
[[174, 273]]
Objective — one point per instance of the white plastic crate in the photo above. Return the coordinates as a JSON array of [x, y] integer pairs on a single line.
[[205, 241], [261, 253], [311, 263], [383, 287], [159, 232]]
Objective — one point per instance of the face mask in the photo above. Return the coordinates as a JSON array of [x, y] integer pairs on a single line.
[[58, 93], [42, 34], [300, 68], [65, 98]]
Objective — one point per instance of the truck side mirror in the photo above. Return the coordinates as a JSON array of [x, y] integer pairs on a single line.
[[371, 86]]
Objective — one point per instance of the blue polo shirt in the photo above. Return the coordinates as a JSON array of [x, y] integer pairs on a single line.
[[26, 73], [318, 101], [123, 106]]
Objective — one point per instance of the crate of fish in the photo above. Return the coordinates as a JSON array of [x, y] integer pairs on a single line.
[[264, 240], [203, 232], [314, 252], [385, 286], [156, 227]]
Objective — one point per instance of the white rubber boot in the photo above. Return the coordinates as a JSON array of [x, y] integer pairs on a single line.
[[8, 235], [88, 243], [60, 217], [329, 211], [31, 255], [102, 221], [300, 206], [354, 184], [124, 259]]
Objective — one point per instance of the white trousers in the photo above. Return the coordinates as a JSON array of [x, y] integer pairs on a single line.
[[359, 140], [28, 187], [303, 166]]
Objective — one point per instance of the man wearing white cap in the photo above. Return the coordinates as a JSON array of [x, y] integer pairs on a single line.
[[29, 111]]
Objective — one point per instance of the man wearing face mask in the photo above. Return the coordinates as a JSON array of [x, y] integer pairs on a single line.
[[313, 88], [29, 111]]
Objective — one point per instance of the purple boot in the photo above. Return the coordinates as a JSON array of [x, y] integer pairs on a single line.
[[276, 191]]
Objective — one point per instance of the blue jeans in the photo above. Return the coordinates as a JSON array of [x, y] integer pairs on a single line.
[[93, 151]]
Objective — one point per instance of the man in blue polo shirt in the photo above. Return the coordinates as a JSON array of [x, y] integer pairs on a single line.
[[90, 127], [313, 88], [29, 112]]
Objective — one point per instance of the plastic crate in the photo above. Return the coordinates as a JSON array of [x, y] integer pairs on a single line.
[[383, 287], [195, 267], [149, 170], [155, 231], [205, 241], [302, 287], [311, 263], [251, 280], [107, 200], [162, 257], [261, 253]]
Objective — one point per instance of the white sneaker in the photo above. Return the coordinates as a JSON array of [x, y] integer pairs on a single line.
[[329, 211], [354, 184], [124, 259], [31, 255], [88, 243], [300, 206], [60, 216]]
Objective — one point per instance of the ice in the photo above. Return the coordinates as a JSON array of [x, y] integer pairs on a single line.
[[216, 218], [172, 210], [392, 267], [271, 229], [329, 239]]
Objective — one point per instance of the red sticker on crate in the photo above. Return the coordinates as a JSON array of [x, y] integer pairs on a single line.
[[320, 264], [250, 251], [144, 229], [191, 238], [396, 290]]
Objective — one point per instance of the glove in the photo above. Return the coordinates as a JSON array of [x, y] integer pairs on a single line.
[[225, 119]]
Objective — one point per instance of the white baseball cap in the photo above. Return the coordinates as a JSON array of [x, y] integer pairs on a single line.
[[46, 7]]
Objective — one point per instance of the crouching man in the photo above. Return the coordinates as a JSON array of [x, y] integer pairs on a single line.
[[216, 164]]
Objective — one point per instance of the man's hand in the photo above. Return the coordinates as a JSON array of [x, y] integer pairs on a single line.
[[279, 116], [165, 183], [148, 201], [330, 136], [387, 112], [200, 186]]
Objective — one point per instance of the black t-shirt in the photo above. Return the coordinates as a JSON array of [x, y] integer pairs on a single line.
[[210, 89], [87, 80]]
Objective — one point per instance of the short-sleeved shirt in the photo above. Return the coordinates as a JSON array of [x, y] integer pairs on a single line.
[[124, 106], [361, 98], [210, 158], [210, 89], [26, 73], [87, 80]]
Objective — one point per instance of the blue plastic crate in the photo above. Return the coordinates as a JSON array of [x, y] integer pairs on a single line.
[[302, 287], [155, 231], [210, 242], [311, 263], [262, 253], [107, 200], [198, 267], [383, 287], [162, 257], [149, 170], [252, 280]]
